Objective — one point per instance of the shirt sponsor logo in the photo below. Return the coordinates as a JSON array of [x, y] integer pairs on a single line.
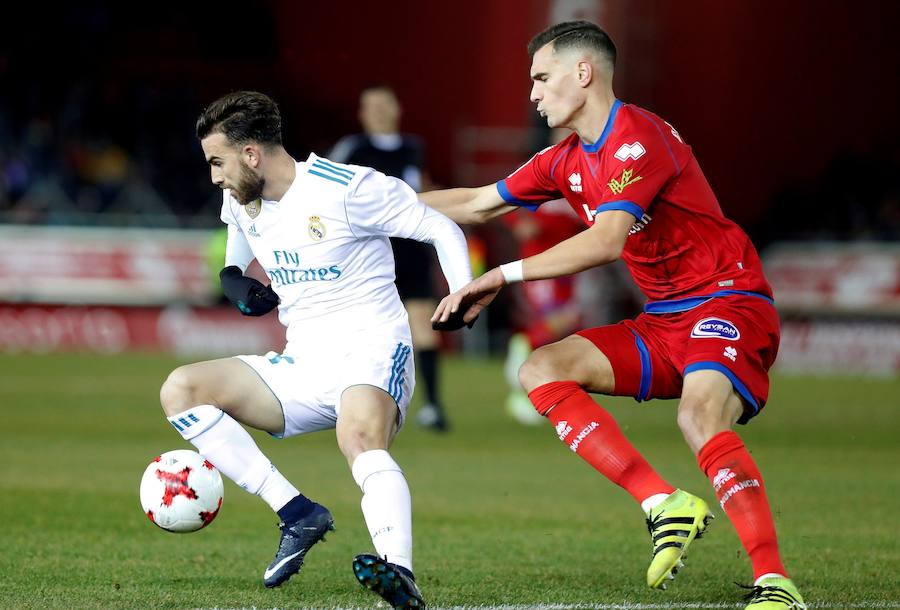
[[641, 224], [253, 208], [617, 186], [630, 151], [316, 228], [575, 182], [283, 276], [715, 328]]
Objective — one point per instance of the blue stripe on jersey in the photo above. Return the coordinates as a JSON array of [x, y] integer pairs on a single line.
[[679, 305], [737, 383], [646, 368], [327, 177], [592, 148], [625, 206], [508, 197], [340, 171]]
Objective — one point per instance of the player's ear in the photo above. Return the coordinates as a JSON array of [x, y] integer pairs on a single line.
[[250, 153], [584, 72]]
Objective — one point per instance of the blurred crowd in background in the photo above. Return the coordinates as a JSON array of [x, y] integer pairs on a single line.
[[792, 118]]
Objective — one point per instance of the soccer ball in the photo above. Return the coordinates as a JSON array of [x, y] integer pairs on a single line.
[[181, 492]]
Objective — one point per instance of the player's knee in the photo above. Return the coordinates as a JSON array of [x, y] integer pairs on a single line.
[[178, 391], [358, 440], [700, 417], [539, 368]]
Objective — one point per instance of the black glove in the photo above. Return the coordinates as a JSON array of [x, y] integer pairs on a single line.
[[247, 294], [454, 321]]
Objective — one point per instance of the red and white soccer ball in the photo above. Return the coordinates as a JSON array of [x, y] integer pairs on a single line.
[[181, 492]]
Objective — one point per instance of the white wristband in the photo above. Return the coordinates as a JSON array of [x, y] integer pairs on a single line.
[[513, 272]]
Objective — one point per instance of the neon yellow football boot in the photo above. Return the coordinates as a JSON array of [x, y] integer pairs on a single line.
[[673, 526], [774, 593]]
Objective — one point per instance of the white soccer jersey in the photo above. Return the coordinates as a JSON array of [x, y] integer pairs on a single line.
[[325, 247]]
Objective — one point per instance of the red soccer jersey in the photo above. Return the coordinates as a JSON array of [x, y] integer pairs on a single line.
[[681, 248]]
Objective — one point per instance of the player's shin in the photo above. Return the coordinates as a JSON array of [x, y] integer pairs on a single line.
[[594, 435], [386, 505], [742, 495], [228, 446]]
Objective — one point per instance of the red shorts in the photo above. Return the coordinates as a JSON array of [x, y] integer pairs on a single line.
[[650, 355]]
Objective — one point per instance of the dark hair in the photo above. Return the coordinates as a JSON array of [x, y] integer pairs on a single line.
[[572, 34], [243, 116]]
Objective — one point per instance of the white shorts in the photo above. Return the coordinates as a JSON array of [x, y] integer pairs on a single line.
[[309, 384]]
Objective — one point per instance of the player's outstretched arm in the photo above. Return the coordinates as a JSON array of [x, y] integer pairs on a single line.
[[599, 245], [450, 243], [468, 205]]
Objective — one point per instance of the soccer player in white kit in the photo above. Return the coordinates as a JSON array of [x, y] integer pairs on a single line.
[[320, 231]]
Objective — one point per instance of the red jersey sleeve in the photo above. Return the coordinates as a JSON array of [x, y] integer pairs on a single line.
[[639, 164], [532, 184]]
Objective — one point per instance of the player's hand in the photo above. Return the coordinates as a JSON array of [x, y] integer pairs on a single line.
[[463, 306], [249, 295]]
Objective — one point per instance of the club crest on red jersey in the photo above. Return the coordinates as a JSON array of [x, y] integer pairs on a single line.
[[626, 179]]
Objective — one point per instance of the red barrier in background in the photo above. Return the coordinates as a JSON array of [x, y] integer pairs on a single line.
[[183, 331]]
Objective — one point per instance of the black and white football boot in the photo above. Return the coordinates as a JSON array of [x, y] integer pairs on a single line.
[[296, 540]]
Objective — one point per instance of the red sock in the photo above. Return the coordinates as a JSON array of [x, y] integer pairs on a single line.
[[742, 495], [595, 436]]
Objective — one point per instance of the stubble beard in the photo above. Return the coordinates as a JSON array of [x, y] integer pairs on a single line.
[[250, 186]]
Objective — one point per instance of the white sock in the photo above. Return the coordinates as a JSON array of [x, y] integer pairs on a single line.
[[386, 505], [652, 502], [225, 443], [765, 576]]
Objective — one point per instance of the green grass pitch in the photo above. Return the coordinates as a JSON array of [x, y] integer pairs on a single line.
[[503, 514]]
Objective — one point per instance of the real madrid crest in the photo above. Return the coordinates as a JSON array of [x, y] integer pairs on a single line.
[[316, 228], [253, 208]]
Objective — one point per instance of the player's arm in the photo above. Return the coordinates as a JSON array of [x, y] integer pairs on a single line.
[[248, 294], [601, 244], [387, 206], [468, 205]]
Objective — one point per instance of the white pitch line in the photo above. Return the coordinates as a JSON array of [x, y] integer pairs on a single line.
[[874, 605]]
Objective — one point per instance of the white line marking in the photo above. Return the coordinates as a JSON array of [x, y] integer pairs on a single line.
[[603, 606]]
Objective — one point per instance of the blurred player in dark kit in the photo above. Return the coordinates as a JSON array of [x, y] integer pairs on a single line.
[[383, 147]]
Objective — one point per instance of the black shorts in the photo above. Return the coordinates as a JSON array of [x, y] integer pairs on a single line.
[[414, 263]]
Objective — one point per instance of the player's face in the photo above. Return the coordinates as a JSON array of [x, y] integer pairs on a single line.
[[379, 111], [556, 91], [229, 170]]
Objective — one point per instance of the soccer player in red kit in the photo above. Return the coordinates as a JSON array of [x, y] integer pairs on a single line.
[[709, 331]]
